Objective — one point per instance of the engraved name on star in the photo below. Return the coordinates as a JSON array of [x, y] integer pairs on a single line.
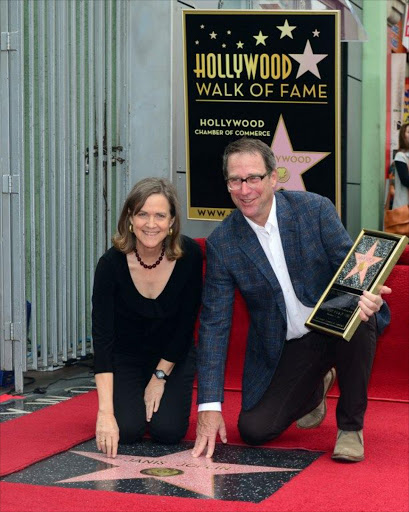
[[308, 60], [363, 262], [178, 469], [286, 30], [291, 164], [260, 38]]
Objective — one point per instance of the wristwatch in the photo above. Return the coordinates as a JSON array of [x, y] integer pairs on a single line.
[[160, 374]]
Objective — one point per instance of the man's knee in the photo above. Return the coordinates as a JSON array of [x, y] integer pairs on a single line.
[[253, 432]]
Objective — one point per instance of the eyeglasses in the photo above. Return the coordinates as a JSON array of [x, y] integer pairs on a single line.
[[252, 181]]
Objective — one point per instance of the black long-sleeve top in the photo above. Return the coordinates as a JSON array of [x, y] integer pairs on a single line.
[[402, 170], [125, 322]]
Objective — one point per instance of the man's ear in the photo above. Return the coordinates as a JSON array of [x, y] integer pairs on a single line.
[[274, 177]]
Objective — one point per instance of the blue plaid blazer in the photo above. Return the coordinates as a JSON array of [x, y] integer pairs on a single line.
[[315, 244]]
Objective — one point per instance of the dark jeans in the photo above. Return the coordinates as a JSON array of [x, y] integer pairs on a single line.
[[170, 423], [297, 385]]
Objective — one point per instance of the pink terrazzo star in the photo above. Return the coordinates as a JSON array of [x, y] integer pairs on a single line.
[[363, 262], [179, 469], [291, 164]]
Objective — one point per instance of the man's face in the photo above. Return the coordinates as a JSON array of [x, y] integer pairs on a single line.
[[254, 203]]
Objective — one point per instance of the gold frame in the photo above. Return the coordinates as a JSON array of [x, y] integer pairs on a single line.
[[314, 322]]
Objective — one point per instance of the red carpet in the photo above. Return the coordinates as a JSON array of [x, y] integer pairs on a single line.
[[36, 436], [378, 484]]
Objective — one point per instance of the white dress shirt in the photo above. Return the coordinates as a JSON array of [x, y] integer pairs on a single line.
[[297, 313], [270, 241]]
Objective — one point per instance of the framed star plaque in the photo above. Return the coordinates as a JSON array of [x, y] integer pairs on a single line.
[[366, 267], [271, 75]]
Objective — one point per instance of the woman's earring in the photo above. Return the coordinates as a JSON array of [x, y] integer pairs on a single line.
[[131, 228], [170, 231]]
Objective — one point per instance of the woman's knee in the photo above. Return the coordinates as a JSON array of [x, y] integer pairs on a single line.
[[168, 434], [130, 436], [131, 432]]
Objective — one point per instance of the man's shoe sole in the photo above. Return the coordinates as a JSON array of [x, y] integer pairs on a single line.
[[347, 458]]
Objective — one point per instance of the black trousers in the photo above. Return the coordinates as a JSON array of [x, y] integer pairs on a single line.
[[297, 385], [170, 423]]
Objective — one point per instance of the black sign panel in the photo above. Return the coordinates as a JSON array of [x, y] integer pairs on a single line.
[[271, 75]]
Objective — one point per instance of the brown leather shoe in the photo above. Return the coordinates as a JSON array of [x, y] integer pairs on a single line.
[[349, 446], [314, 418]]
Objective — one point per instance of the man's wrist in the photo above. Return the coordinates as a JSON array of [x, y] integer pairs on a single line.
[[210, 406]]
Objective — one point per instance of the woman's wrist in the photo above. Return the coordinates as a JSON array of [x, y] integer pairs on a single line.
[[103, 410]]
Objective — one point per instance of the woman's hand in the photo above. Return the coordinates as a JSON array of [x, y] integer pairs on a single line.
[[107, 433], [153, 395]]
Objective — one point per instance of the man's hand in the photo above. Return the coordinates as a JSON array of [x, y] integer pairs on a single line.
[[370, 303], [209, 424]]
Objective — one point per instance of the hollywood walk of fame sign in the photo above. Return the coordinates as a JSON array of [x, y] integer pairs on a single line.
[[271, 75], [234, 473], [366, 267]]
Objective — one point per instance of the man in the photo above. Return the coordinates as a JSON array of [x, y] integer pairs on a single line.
[[281, 250]]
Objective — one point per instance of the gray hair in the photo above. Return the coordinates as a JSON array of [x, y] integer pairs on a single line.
[[248, 145]]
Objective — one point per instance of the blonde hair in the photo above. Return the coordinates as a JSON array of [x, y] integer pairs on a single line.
[[125, 240]]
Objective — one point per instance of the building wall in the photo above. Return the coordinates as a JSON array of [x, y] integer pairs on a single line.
[[373, 131]]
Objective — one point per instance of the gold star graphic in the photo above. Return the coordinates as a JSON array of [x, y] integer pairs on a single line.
[[260, 38], [286, 29], [224, 45], [213, 35], [363, 262], [240, 44], [196, 42], [316, 33], [202, 26], [229, 32]]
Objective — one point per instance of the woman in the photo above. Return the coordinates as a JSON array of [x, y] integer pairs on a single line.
[[401, 196], [146, 296]]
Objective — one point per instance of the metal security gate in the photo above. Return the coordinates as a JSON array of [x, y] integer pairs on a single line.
[[75, 169], [12, 309]]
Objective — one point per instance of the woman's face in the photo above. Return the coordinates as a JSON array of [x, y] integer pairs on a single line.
[[151, 224]]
